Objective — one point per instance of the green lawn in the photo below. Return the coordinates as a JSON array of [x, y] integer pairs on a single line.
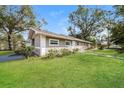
[[5, 53], [78, 70], [106, 51], [109, 52]]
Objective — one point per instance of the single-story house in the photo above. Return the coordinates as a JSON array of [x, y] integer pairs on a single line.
[[43, 41]]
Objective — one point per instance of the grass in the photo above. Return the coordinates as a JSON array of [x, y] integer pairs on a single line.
[[78, 70], [109, 52], [106, 51], [2, 53]]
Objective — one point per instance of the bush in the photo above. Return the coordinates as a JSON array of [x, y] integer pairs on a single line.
[[58, 53], [120, 50], [75, 50], [26, 51], [51, 53], [101, 47], [18, 52], [65, 52]]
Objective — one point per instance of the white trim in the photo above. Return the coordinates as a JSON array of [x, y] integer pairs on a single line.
[[69, 42], [54, 44]]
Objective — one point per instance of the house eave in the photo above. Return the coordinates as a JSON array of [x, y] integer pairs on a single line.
[[57, 36]]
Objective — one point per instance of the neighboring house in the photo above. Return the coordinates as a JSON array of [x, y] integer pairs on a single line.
[[43, 41]]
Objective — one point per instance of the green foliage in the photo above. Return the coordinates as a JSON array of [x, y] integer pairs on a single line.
[[52, 53], [111, 52], [101, 47], [26, 51], [73, 71], [119, 10], [85, 22], [65, 52], [118, 34], [118, 28], [75, 50], [18, 41], [3, 42], [15, 19], [2, 53], [121, 50], [18, 51]]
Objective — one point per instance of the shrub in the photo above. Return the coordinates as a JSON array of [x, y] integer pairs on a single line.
[[75, 50], [51, 53], [65, 52], [18, 51], [59, 53], [120, 50], [25, 51], [101, 47]]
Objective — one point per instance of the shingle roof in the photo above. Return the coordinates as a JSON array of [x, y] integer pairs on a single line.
[[51, 34]]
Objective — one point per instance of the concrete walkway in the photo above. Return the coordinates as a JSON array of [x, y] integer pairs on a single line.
[[10, 57]]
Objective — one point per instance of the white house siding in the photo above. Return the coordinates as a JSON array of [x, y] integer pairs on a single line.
[[37, 40], [37, 44], [61, 42], [42, 45]]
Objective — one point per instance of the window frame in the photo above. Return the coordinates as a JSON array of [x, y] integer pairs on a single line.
[[69, 42], [53, 44]]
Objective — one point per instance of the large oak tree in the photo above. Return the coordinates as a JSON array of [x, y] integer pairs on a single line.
[[85, 22], [15, 19], [109, 19], [118, 28]]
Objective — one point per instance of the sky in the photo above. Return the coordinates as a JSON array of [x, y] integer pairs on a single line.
[[57, 16]]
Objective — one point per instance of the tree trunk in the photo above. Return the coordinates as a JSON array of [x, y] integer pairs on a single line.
[[108, 40], [10, 41], [108, 43]]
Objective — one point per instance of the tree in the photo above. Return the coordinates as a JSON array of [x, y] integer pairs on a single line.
[[85, 22], [118, 28], [109, 21], [15, 19], [119, 10], [18, 41], [118, 34], [101, 41], [41, 23]]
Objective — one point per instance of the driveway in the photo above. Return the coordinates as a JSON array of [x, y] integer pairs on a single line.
[[10, 57]]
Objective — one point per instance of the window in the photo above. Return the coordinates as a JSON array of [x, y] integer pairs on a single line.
[[33, 42], [67, 43], [77, 43], [53, 42]]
